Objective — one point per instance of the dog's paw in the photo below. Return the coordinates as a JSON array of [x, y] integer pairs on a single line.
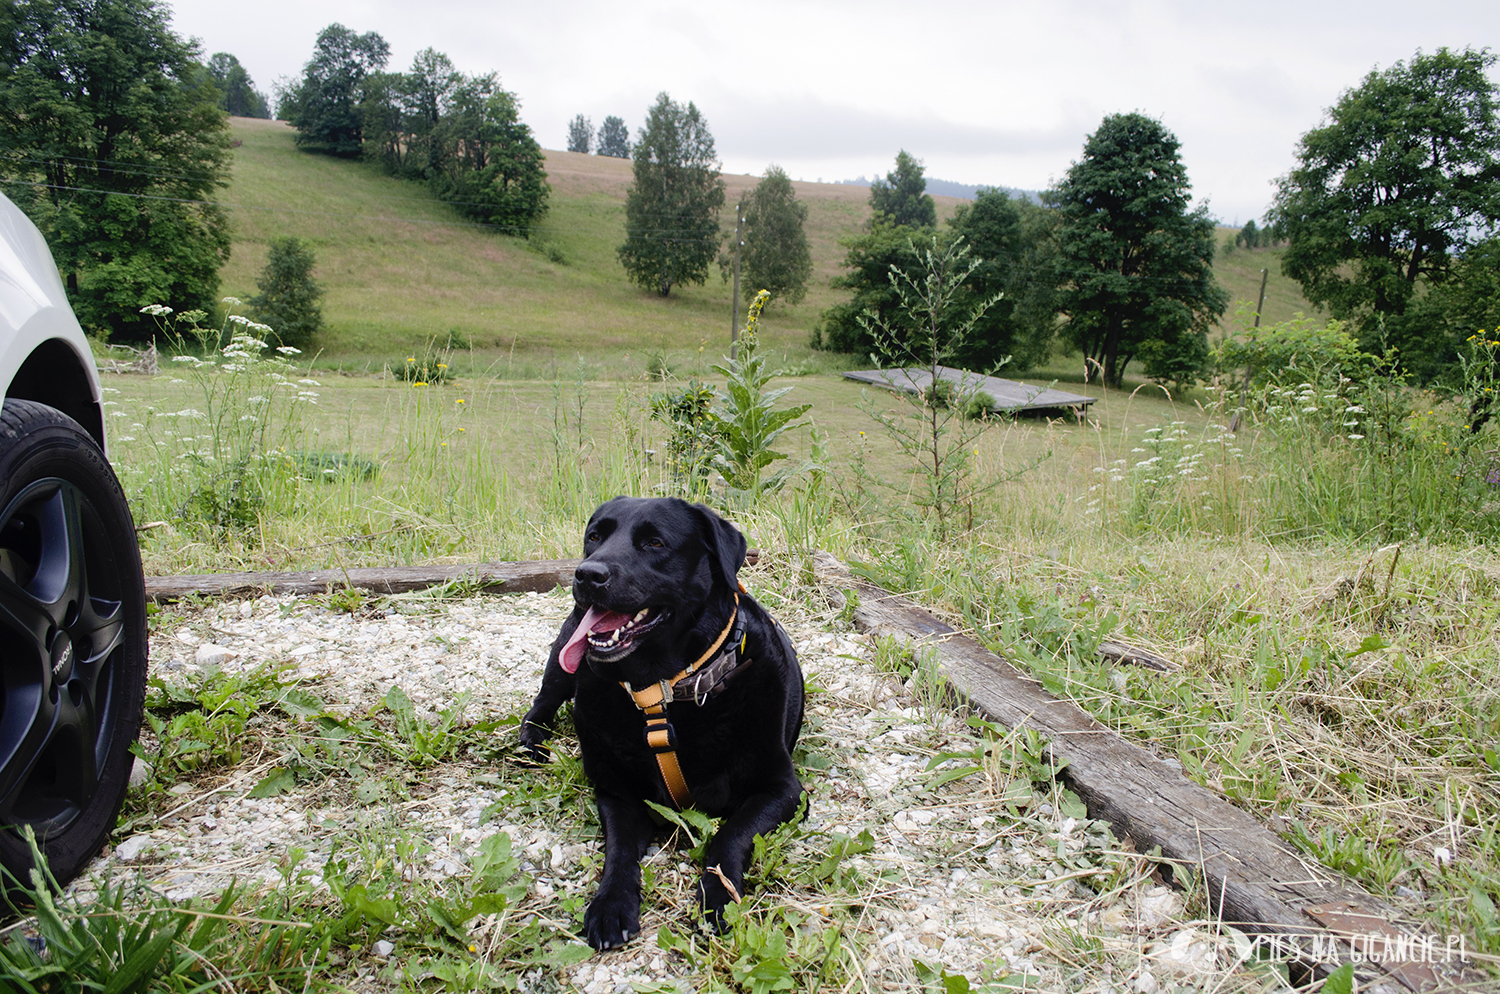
[[534, 742], [715, 892], [611, 920]]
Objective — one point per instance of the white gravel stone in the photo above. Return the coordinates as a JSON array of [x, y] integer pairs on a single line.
[[957, 879]]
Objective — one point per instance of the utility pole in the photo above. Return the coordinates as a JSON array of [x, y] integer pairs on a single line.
[[734, 313], [1234, 424]]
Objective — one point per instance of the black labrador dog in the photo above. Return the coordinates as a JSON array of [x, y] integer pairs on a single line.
[[685, 692]]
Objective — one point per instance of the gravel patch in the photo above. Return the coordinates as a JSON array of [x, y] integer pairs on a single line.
[[956, 880]]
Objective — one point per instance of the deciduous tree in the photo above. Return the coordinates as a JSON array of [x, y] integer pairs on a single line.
[[288, 298], [491, 167], [1009, 242], [1403, 176], [870, 259], [580, 134], [115, 147], [775, 255], [672, 206], [1133, 264], [237, 93], [614, 138], [325, 106]]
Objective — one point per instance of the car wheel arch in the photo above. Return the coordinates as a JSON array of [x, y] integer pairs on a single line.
[[53, 374]]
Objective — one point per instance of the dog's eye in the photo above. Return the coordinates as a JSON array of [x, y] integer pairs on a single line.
[[591, 537], [655, 543]]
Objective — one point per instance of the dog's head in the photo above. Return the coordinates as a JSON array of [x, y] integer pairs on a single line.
[[655, 570]]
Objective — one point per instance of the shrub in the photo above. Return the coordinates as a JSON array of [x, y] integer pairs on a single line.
[[288, 298]]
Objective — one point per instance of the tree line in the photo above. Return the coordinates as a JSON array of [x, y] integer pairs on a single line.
[[1390, 220], [612, 139], [460, 134]]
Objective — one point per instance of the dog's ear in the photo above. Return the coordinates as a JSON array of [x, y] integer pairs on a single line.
[[726, 545]]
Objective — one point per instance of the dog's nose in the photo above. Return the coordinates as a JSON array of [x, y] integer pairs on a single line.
[[591, 574]]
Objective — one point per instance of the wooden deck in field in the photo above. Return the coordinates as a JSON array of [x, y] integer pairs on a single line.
[[1007, 395]]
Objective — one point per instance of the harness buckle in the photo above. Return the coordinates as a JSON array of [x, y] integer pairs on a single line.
[[660, 736]]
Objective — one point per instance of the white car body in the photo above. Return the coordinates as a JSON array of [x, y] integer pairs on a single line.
[[44, 355]]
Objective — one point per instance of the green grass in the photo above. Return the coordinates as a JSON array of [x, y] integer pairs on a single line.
[[1239, 273]]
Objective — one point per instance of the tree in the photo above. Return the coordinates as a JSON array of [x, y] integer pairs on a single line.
[[775, 255], [580, 134], [237, 93], [901, 214], [939, 428], [871, 258], [1403, 176], [324, 106], [902, 196], [117, 145], [288, 298], [490, 165], [1133, 265], [614, 138], [1009, 241], [672, 206]]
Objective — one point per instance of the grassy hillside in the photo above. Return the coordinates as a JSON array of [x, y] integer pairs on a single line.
[[1239, 271], [402, 271]]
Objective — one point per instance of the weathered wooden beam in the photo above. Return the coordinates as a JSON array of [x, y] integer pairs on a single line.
[[497, 578], [507, 578], [1254, 881]]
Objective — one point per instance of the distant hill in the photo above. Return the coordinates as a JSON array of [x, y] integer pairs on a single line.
[[403, 273], [963, 191]]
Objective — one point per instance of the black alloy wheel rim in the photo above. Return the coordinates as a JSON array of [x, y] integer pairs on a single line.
[[62, 626]]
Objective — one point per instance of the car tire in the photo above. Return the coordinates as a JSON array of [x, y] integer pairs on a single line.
[[72, 641]]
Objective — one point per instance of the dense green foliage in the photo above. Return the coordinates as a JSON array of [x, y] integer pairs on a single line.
[[114, 144], [237, 93], [1007, 263], [324, 106], [900, 211], [460, 134], [1401, 180], [1134, 266], [614, 138], [580, 134], [902, 196], [1291, 353], [672, 207], [775, 255], [870, 258], [1010, 243], [288, 298]]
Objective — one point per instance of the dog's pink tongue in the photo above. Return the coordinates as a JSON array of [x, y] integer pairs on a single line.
[[594, 620]]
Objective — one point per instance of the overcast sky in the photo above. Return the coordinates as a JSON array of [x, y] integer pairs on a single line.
[[984, 93]]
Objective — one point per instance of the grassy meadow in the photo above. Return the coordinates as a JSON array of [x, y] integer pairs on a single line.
[[1330, 596], [402, 270]]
